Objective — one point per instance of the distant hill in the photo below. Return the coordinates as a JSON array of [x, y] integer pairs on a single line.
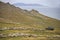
[[11, 16], [23, 4]]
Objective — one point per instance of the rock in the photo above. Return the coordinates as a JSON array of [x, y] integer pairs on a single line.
[[49, 28]]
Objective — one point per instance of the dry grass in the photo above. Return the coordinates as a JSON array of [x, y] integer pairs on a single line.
[[11, 16]]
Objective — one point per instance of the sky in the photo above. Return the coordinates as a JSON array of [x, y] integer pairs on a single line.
[[49, 3], [53, 9]]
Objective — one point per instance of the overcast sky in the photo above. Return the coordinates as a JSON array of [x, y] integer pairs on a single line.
[[49, 3]]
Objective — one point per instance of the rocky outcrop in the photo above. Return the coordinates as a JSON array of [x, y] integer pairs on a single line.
[[27, 35], [18, 35], [20, 28]]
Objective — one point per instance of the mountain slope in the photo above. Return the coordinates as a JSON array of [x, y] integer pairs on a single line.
[[11, 16]]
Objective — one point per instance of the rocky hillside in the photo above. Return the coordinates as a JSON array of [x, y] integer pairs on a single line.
[[15, 21]]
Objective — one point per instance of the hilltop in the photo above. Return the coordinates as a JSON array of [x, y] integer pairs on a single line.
[[11, 17]]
